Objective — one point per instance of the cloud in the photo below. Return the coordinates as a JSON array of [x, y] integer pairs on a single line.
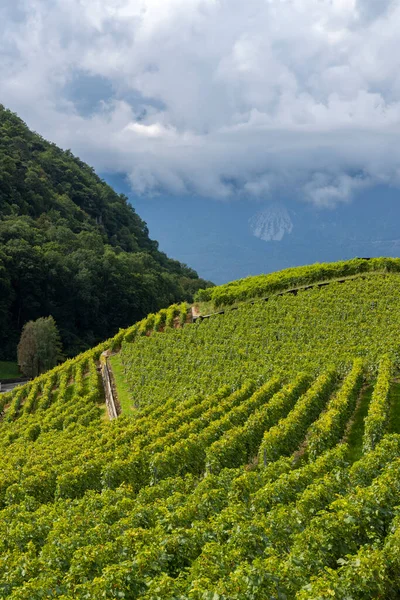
[[222, 98]]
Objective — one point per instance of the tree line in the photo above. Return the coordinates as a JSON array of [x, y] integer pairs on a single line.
[[73, 248]]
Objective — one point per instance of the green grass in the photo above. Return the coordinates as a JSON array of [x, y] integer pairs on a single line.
[[9, 370], [124, 396], [206, 308], [355, 438]]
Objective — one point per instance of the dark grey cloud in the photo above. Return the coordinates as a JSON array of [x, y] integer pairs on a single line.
[[87, 92], [370, 10], [217, 97]]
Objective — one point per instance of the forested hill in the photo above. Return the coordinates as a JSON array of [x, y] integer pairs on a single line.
[[70, 246]]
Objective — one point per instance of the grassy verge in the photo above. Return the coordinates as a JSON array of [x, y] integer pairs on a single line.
[[9, 370], [394, 415], [356, 433], [124, 396], [205, 308]]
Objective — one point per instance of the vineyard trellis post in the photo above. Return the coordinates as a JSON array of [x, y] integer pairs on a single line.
[[108, 390]]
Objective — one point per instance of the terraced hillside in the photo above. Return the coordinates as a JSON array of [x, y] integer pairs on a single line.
[[287, 334], [257, 456]]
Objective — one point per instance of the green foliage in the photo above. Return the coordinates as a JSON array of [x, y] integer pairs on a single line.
[[289, 485], [16, 403], [240, 445], [284, 336], [31, 398], [355, 432], [378, 413], [286, 436], [359, 576], [62, 228], [39, 348], [203, 295], [356, 519], [179, 535], [292, 279], [183, 310], [371, 464], [169, 502], [189, 454], [327, 431], [160, 319]]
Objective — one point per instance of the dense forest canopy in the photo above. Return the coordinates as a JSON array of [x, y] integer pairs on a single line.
[[73, 248]]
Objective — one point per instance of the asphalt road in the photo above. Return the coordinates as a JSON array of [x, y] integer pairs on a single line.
[[6, 387]]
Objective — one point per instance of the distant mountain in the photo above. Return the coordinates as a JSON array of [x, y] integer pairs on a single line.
[[73, 248], [229, 240]]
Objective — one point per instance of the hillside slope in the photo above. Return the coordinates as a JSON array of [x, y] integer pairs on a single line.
[[286, 335], [259, 457], [73, 248]]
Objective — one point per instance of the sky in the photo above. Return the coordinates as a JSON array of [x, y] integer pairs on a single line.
[[221, 99]]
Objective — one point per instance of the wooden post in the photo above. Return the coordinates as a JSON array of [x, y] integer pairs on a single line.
[[108, 391]]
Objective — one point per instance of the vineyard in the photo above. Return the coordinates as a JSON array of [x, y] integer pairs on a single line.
[[286, 335], [257, 456]]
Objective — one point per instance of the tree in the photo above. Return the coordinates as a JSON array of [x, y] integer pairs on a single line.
[[27, 350], [39, 348]]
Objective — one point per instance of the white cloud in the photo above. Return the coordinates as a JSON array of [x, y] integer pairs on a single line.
[[326, 191], [215, 97]]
